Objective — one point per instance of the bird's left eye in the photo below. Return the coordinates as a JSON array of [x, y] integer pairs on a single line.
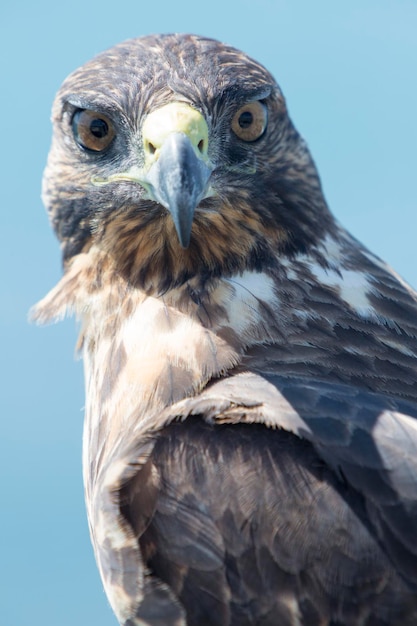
[[249, 122], [92, 131]]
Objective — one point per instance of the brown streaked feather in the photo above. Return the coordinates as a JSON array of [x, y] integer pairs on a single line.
[[226, 237]]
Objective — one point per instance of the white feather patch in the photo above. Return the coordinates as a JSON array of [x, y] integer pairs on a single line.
[[353, 287], [250, 292]]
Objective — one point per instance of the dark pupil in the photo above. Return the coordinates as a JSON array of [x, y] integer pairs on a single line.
[[245, 119], [99, 128]]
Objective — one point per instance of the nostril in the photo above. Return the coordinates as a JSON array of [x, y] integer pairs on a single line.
[[151, 148], [201, 145]]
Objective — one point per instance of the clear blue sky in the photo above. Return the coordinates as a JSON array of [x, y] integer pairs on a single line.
[[349, 72]]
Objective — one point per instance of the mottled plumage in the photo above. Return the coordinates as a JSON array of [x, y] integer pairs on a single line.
[[250, 443]]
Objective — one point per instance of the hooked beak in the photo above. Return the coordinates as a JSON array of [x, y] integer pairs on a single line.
[[177, 169]]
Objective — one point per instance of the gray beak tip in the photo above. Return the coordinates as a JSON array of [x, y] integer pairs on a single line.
[[179, 180]]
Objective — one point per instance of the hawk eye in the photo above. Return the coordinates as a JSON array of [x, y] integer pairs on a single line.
[[249, 122], [92, 131]]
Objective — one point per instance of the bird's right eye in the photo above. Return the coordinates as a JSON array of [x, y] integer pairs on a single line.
[[92, 131]]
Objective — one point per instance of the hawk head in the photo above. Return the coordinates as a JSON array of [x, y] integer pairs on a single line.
[[176, 155]]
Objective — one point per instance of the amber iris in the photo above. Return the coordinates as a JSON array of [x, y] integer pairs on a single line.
[[249, 122], [93, 131]]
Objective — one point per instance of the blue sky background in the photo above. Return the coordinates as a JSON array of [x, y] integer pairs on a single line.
[[348, 70]]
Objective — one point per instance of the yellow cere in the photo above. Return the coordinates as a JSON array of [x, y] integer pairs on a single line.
[[175, 117]]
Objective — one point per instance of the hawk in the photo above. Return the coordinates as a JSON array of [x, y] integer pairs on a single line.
[[250, 442]]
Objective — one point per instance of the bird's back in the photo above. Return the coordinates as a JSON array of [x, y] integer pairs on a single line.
[[249, 526]]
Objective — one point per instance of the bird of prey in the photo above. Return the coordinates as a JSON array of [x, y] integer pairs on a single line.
[[250, 442]]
